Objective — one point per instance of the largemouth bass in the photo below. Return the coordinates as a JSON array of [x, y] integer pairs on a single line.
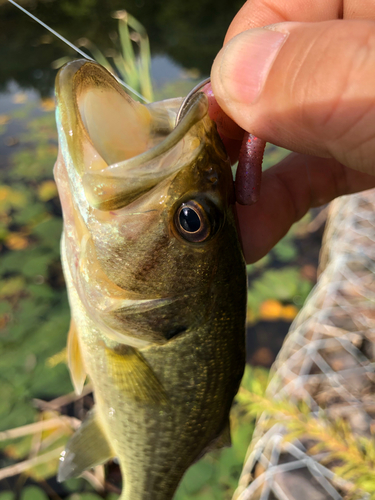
[[155, 276]]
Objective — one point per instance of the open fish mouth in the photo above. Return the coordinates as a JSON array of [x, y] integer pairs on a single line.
[[121, 148]]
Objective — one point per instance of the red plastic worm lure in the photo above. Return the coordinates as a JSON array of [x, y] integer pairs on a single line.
[[249, 170]]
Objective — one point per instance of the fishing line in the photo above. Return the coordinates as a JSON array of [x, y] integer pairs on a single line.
[[83, 54]]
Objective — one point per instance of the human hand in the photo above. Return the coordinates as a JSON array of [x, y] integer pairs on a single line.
[[308, 86]]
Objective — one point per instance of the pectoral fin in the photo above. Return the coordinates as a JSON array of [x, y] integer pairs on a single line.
[[87, 448], [75, 361], [131, 373]]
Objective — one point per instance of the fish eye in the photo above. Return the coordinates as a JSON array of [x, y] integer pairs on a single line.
[[194, 222]]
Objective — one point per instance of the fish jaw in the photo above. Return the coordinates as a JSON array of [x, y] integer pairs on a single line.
[[159, 309]]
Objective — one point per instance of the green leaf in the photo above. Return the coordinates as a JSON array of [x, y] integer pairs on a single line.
[[33, 493], [367, 483], [260, 264], [6, 399], [31, 214], [11, 198], [12, 261], [51, 382], [11, 286], [32, 164], [19, 448], [74, 484], [285, 250], [29, 314], [255, 380], [36, 266], [197, 476], [21, 413], [7, 495], [283, 284], [5, 307], [49, 233], [111, 496], [42, 291]]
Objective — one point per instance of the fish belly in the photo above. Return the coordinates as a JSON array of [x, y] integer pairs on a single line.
[[155, 443]]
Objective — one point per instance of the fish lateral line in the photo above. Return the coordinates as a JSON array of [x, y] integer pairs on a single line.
[[74, 47]]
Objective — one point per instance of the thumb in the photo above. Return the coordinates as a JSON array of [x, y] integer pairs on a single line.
[[308, 87]]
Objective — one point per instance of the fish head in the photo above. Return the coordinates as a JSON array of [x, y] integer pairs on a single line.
[[148, 207]]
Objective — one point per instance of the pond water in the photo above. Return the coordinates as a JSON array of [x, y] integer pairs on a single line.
[[183, 35]]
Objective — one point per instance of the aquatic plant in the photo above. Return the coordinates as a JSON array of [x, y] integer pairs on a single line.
[[354, 455]]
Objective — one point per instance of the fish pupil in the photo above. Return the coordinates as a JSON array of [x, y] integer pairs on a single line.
[[189, 220]]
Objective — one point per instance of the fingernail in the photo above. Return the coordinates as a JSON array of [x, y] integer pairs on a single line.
[[242, 66]]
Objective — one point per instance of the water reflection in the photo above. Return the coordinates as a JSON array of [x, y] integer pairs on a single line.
[[190, 33]]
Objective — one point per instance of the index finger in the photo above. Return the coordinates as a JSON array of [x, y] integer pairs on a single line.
[[257, 13]]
